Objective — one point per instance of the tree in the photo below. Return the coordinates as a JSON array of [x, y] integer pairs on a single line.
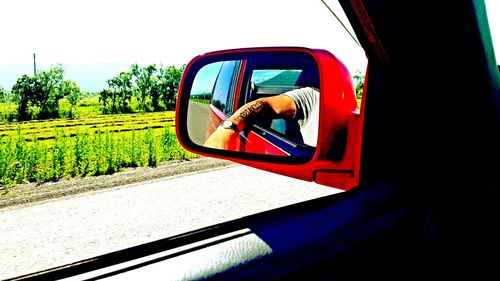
[[121, 86], [359, 80], [113, 94], [24, 91], [47, 94], [145, 81], [104, 96], [169, 80], [71, 90], [42, 90], [157, 84], [4, 96]]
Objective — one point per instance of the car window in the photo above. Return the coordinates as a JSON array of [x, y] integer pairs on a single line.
[[222, 90], [204, 82], [270, 82], [493, 11], [89, 159], [275, 81]]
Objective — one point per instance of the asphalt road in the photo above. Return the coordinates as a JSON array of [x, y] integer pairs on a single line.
[[68, 229], [197, 121]]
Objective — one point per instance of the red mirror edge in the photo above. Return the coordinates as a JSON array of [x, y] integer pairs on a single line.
[[336, 160]]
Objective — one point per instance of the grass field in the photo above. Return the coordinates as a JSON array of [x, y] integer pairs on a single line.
[[94, 144], [39, 151]]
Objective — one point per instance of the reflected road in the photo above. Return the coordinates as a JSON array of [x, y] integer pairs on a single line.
[[197, 120]]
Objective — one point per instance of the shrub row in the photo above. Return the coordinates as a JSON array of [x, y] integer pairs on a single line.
[[84, 154]]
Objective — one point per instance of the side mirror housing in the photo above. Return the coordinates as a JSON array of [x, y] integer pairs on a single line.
[[215, 85]]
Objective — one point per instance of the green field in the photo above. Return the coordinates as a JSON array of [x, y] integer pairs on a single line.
[[39, 151], [94, 144]]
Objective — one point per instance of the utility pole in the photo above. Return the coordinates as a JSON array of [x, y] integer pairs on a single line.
[[34, 64]]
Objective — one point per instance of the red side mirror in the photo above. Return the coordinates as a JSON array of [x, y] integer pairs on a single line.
[[218, 85]]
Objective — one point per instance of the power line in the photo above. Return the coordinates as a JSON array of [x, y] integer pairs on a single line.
[[352, 36]]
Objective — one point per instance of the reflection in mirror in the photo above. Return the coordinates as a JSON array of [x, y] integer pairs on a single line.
[[200, 99], [256, 106]]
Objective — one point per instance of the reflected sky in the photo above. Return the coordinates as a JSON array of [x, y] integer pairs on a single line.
[[205, 78]]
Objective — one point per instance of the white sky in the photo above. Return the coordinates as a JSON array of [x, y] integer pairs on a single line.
[[165, 31], [170, 32]]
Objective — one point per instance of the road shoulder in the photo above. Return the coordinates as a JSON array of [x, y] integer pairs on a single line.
[[30, 193]]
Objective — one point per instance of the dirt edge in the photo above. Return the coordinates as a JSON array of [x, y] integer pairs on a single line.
[[31, 192]]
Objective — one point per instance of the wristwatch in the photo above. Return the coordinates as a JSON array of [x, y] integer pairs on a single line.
[[229, 125]]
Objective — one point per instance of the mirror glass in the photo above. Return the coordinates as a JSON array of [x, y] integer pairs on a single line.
[[270, 105]]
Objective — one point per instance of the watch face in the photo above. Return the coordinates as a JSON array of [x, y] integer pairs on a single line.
[[229, 125]]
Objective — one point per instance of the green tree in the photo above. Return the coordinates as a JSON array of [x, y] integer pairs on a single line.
[[71, 90], [24, 91], [105, 96], [145, 81], [44, 91], [47, 94], [114, 84], [168, 84], [4, 95], [359, 80], [121, 86]]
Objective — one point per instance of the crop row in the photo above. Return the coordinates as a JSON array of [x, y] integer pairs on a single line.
[[88, 120], [47, 129], [85, 153]]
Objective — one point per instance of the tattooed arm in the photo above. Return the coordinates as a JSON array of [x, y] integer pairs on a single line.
[[280, 106]]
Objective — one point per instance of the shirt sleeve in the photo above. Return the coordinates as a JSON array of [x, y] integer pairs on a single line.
[[306, 101]]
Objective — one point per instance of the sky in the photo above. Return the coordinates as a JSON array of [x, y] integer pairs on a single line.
[[116, 33], [95, 39]]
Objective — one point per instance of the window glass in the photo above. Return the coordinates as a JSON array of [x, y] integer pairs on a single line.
[[493, 11], [222, 90], [204, 82], [275, 81], [89, 159], [275, 77]]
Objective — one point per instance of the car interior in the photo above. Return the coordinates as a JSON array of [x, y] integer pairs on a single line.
[[427, 204]]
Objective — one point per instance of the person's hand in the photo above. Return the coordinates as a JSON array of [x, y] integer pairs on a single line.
[[222, 138]]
